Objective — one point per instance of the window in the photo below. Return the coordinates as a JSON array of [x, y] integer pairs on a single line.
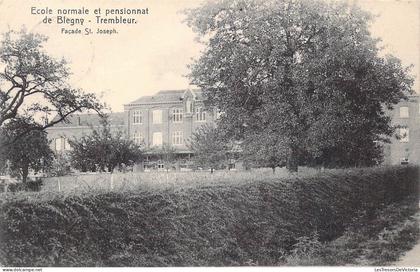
[[188, 105], [138, 138], [137, 117], [404, 113], [404, 134], [157, 138], [58, 144], [200, 114], [157, 117], [67, 145], [177, 138], [177, 115]]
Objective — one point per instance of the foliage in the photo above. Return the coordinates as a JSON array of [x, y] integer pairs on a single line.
[[103, 149], [29, 152], [370, 240], [29, 186], [209, 147], [213, 224], [306, 251], [305, 72], [30, 74], [262, 149], [61, 165]]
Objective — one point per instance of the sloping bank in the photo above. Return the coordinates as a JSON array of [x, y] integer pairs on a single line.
[[219, 224]]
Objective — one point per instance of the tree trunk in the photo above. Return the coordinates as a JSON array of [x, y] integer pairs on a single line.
[[25, 173], [293, 160]]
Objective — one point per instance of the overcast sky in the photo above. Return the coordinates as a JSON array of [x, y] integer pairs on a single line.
[[153, 54]]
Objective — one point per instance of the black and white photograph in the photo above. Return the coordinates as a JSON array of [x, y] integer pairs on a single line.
[[210, 134]]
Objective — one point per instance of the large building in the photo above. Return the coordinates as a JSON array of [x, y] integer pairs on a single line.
[[169, 118], [405, 147], [78, 125]]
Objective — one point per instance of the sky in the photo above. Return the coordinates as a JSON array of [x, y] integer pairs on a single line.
[[153, 54]]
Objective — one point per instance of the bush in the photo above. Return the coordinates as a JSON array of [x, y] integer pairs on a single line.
[[376, 241], [61, 166], [251, 223], [29, 186]]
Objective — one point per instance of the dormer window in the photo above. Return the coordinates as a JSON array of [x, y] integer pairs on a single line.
[[188, 106]]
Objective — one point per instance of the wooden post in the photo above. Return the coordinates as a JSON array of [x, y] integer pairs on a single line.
[[59, 184]]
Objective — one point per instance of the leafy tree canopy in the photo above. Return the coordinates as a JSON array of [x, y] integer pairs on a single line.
[[29, 152], [34, 84], [308, 72], [210, 147], [103, 149]]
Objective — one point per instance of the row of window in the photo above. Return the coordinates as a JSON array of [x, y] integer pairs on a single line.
[[177, 115], [60, 144], [177, 138]]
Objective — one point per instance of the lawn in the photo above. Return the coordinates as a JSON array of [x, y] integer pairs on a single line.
[[137, 180]]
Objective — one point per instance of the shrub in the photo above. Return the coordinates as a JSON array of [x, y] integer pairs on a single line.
[[61, 166], [29, 186], [368, 241], [253, 223]]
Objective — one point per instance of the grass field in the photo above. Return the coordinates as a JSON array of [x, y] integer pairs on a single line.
[[144, 180]]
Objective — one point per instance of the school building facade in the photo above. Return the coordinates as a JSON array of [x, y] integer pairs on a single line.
[[170, 118], [405, 147]]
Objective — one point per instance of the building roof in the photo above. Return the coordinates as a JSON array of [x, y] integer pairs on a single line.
[[166, 96], [91, 119]]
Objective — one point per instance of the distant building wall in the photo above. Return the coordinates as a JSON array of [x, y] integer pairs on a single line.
[[407, 148], [166, 118], [171, 117], [79, 125]]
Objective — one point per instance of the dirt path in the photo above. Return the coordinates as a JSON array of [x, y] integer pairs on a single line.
[[411, 258]]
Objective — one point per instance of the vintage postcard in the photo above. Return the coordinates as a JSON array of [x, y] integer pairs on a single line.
[[282, 134]]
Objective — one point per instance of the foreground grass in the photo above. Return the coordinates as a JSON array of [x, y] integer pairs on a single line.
[[377, 239], [222, 222]]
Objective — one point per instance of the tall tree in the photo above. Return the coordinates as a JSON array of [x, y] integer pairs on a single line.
[[30, 152], [103, 149], [264, 149], [308, 72], [210, 148], [32, 83]]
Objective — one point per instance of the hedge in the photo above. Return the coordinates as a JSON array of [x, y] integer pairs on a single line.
[[216, 224]]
